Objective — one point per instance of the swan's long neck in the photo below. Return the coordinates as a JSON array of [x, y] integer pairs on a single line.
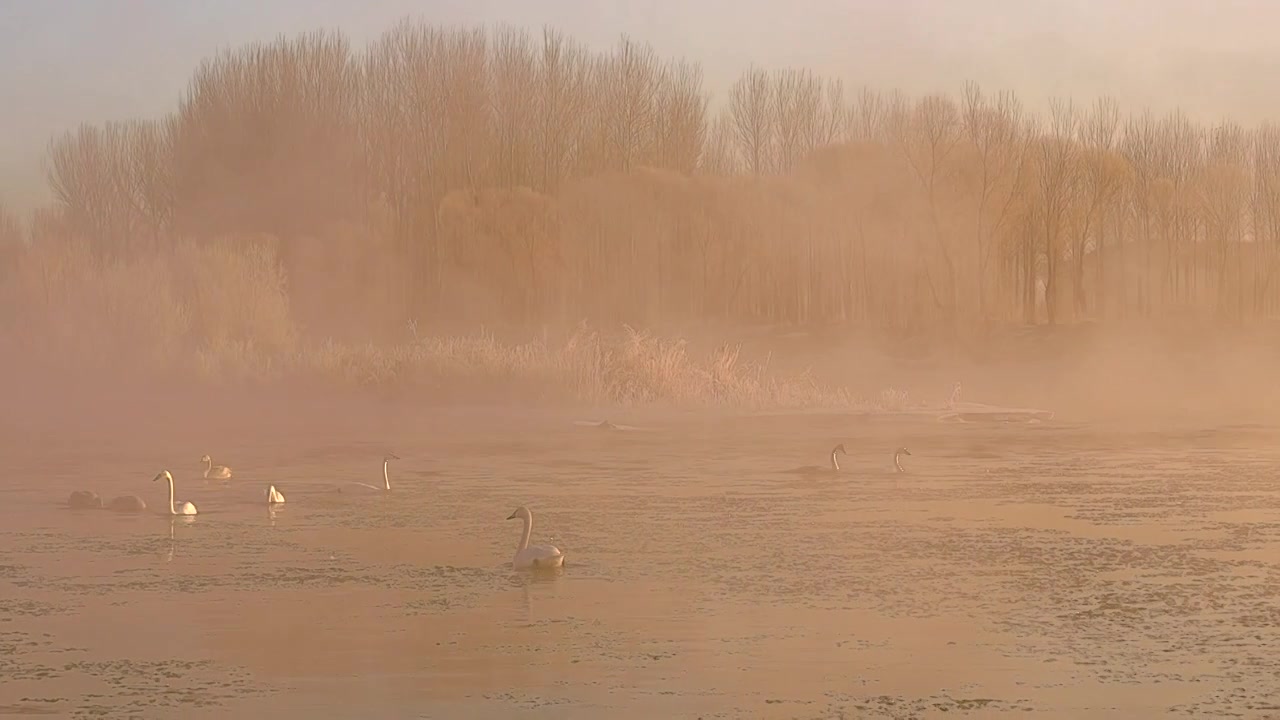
[[897, 464], [208, 467], [528, 531], [835, 464], [386, 479], [172, 511]]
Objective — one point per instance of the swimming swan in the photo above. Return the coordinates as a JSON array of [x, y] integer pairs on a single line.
[[84, 499], [818, 469], [214, 471], [898, 453], [185, 508], [127, 503], [386, 480], [274, 496], [537, 556]]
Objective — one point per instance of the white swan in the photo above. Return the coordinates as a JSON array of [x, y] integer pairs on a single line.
[[185, 508], [386, 480], [221, 472], [898, 453], [537, 556], [274, 496]]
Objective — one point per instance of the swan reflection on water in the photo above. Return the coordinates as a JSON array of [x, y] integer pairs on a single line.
[[540, 582], [173, 523]]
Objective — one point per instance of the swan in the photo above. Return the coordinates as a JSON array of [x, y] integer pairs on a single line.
[[536, 556], [82, 499], [214, 471], [185, 508], [274, 497], [127, 503], [386, 480], [818, 469], [898, 453]]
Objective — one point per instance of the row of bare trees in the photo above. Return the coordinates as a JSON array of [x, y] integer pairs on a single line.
[[503, 175]]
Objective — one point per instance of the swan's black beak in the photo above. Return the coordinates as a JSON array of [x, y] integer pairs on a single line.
[[512, 516]]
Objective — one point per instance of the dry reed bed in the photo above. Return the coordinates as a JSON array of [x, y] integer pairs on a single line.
[[220, 312]]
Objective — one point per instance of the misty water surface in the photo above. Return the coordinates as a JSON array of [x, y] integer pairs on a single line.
[[1049, 570]]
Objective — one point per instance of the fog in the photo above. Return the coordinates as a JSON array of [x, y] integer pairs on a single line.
[[61, 63], [643, 287]]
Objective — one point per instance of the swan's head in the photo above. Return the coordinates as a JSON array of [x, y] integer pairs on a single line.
[[205, 458], [163, 475], [839, 449], [389, 457], [521, 513], [902, 451]]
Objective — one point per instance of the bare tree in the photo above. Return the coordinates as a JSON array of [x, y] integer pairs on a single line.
[[866, 117], [1264, 207], [751, 107], [1221, 200], [11, 239], [629, 84], [681, 125], [565, 77], [927, 144], [720, 156], [1138, 145], [513, 83], [1058, 181], [1100, 184], [91, 177], [798, 117], [998, 135]]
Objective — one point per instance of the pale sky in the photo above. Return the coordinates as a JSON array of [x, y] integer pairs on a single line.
[[63, 62]]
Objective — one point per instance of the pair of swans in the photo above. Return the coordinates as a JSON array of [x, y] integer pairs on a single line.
[[526, 557], [89, 500], [222, 472], [274, 497], [386, 479], [835, 463]]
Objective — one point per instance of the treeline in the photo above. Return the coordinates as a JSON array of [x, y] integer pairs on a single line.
[[497, 175]]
